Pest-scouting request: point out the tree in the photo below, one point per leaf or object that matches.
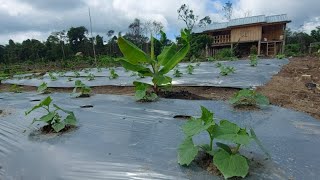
(315, 34)
(185, 14)
(228, 10)
(135, 34)
(99, 44)
(110, 33)
(204, 21)
(77, 37)
(61, 36)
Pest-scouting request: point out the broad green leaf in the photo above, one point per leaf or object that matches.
(206, 116)
(140, 94)
(231, 165)
(131, 52)
(161, 80)
(49, 117)
(135, 67)
(45, 102)
(231, 132)
(255, 138)
(262, 100)
(78, 83)
(224, 147)
(58, 126)
(141, 89)
(70, 119)
(167, 53)
(207, 149)
(195, 126)
(187, 152)
(42, 87)
(175, 59)
(185, 35)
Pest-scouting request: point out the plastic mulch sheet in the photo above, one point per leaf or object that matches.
(119, 138)
(207, 74)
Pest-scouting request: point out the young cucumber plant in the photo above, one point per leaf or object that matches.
(52, 77)
(53, 118)
(91, 77)
(253, 60)
(76, 74)
(43, 88)
(226, 70)
(190, 69)
(177, 73)
(113, 74)
(246, 97)
(151, 66)
(218, 65)
(84, 91)
(227, 159)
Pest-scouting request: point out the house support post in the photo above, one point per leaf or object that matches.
(259, 47)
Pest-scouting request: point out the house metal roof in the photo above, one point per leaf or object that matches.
(244, 21)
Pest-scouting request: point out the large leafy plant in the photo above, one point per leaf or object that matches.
(52, 117)
(225, 157)
(80, 89)
(247, 97)
(153, 66)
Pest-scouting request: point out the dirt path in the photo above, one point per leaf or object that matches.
(286, 89)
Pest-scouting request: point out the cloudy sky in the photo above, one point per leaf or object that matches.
(23, 19)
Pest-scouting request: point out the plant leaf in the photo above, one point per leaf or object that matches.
(195, 126)
(71, 119)
(255, 138)
(58, 126)
(131, 52)
(231, 165)
(167, 53)
(47, 118)
(45, 102)
(161, 80)
(206, 116)
(187, 152)
(183, 51)
(231, 132)
(136, 67)
(224, 147)
(262, 100)
(42, 87)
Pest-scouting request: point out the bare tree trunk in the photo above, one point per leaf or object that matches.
(93, 46)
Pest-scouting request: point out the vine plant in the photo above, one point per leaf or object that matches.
(155, 67)
(226, 158)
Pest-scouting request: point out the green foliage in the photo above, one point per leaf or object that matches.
(228, 160)
(248, 97)
(253, 60)
(151, 66)
(190, 69)
(225, 54)
(226, 70)
(15, 88)
(113, 74)
(218, 65)
(177, 73)
(52, 77)
(91, 77)
(80, 89)
(53, 118)
(142, 93)
(292, 50)
(43, 88)
(76, 74)
(280, 56)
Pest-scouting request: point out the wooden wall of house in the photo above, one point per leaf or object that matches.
(246, 34)
(273, 32)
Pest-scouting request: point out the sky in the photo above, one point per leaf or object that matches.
(23, 19)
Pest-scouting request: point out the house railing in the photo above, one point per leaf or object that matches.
(221, 39)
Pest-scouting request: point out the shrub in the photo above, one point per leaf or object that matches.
(280, 56)
(248, 97)
(225, 54)
(292, 50)
(53, 118)
(253, 60)
(254, 50)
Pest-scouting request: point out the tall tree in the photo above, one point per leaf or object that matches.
(315, 34)
(99, 45)
(77, 38)
(62, 37)
(186, 14)
(228, 10)
(205, 21)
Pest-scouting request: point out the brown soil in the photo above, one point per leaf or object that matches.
(205, 161)
(288, 88)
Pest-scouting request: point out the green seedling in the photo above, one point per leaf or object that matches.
(113, 74)
(142, 93)
(76, 74)
(281, 56)
(153, 66)
(218, 65)
(52, 77)
(53, 119)
(225, 157)
(91, 77)
(253, 60)
(177, 73)
(70, 79)
(81, 90)
(43, 88)
(190, 69)
(15, 88)
(226, 70)
(248, 97)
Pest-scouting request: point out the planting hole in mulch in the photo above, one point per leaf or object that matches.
(86, 106)
(35, 100)
(181, 95)
(47, 133)
(185, 117)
